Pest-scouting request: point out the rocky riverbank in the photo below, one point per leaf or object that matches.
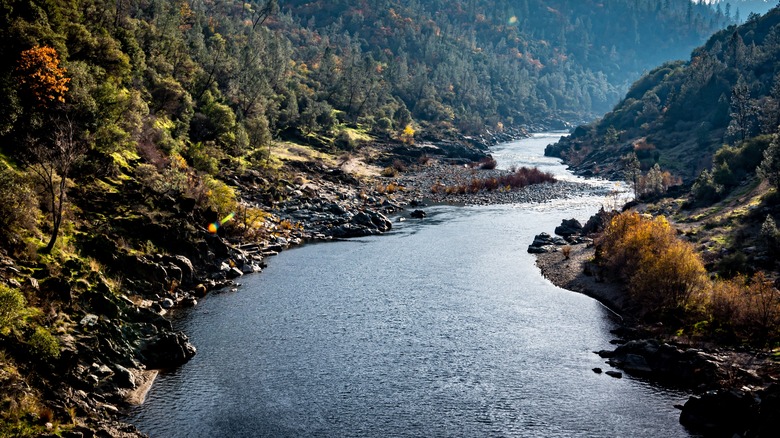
(736, 393)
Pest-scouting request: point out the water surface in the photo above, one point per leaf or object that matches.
(443, 327)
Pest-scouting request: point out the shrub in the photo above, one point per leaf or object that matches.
(663, 272)
(522, 177)
(389, 172)
(17, 202)
(488, 163)
(12, 304)
(43, 344)
(219, 196)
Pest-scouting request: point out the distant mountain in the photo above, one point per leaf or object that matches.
(681, 113)
(740, 9)
(481, 62)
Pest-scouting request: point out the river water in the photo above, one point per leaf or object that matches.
(442, 328)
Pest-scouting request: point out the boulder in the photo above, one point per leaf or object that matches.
(234, 273)
(123, 377)
(168, 350)
(539, 249)
(569, 227)
(719, 413)
(418, 214)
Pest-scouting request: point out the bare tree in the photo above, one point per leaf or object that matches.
(51, 162)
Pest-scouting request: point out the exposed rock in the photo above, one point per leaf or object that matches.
(418, 214)
(597, 370)
(615, 374)
(168, 350)
(569, 227)
(234, 273)
(719, 413)
(123, 377)
(687, 367)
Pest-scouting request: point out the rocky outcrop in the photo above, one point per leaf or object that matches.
(662, 361)
(734, 412)
(168, 350)
(569, 227)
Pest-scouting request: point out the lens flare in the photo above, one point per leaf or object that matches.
(213, 227)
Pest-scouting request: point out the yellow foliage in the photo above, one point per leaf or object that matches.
(662, 271)
(407, 136)
(220, 196)
(40, 73)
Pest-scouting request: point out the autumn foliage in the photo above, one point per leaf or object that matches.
(516, 180)
(40, 74)
(663, 272)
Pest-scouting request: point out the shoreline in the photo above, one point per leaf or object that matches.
(571, 275)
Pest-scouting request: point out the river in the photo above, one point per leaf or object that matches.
(442, 327)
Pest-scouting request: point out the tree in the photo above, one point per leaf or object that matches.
(51, 163)
(632, 172)
(743, 111)
(41, 76)
(769, 169)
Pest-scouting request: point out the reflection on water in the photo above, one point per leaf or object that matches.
(445, 330)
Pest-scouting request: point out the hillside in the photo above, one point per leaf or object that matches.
(681, 113)
(511, 62)
(152, 151)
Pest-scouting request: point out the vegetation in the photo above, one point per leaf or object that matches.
(129, 128)
(668, 281)
(515, 180)
(682, 113)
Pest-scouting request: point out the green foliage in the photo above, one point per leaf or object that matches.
(728, 91)
(43, 344)
(770, 235)
(12, 304)
(705, 189)
(18, 209)
(769, 169)
(219, 196)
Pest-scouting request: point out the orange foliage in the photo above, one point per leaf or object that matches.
(40, 73)
(662, 271)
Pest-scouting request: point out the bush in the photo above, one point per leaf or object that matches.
(663, 272)
(43, 344)
(17, 202)
(12, 304)
(219, 196)
(488, 163)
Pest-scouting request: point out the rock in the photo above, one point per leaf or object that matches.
(89, 320)
(166, 303)
(720, 413)
(597, 370)
(569, 227)
(542, 239)
(539, 249)
(200, 290)
(101, 304)
(615, 374)
(123, 377)
(168, 350)
(635, 363)
(418, 214)
(234, 273)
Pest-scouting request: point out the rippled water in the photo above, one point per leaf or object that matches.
(444, 327)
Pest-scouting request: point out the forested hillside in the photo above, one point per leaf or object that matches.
(740, 9)
(136, 135)
(480, 62)
(681, 113)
